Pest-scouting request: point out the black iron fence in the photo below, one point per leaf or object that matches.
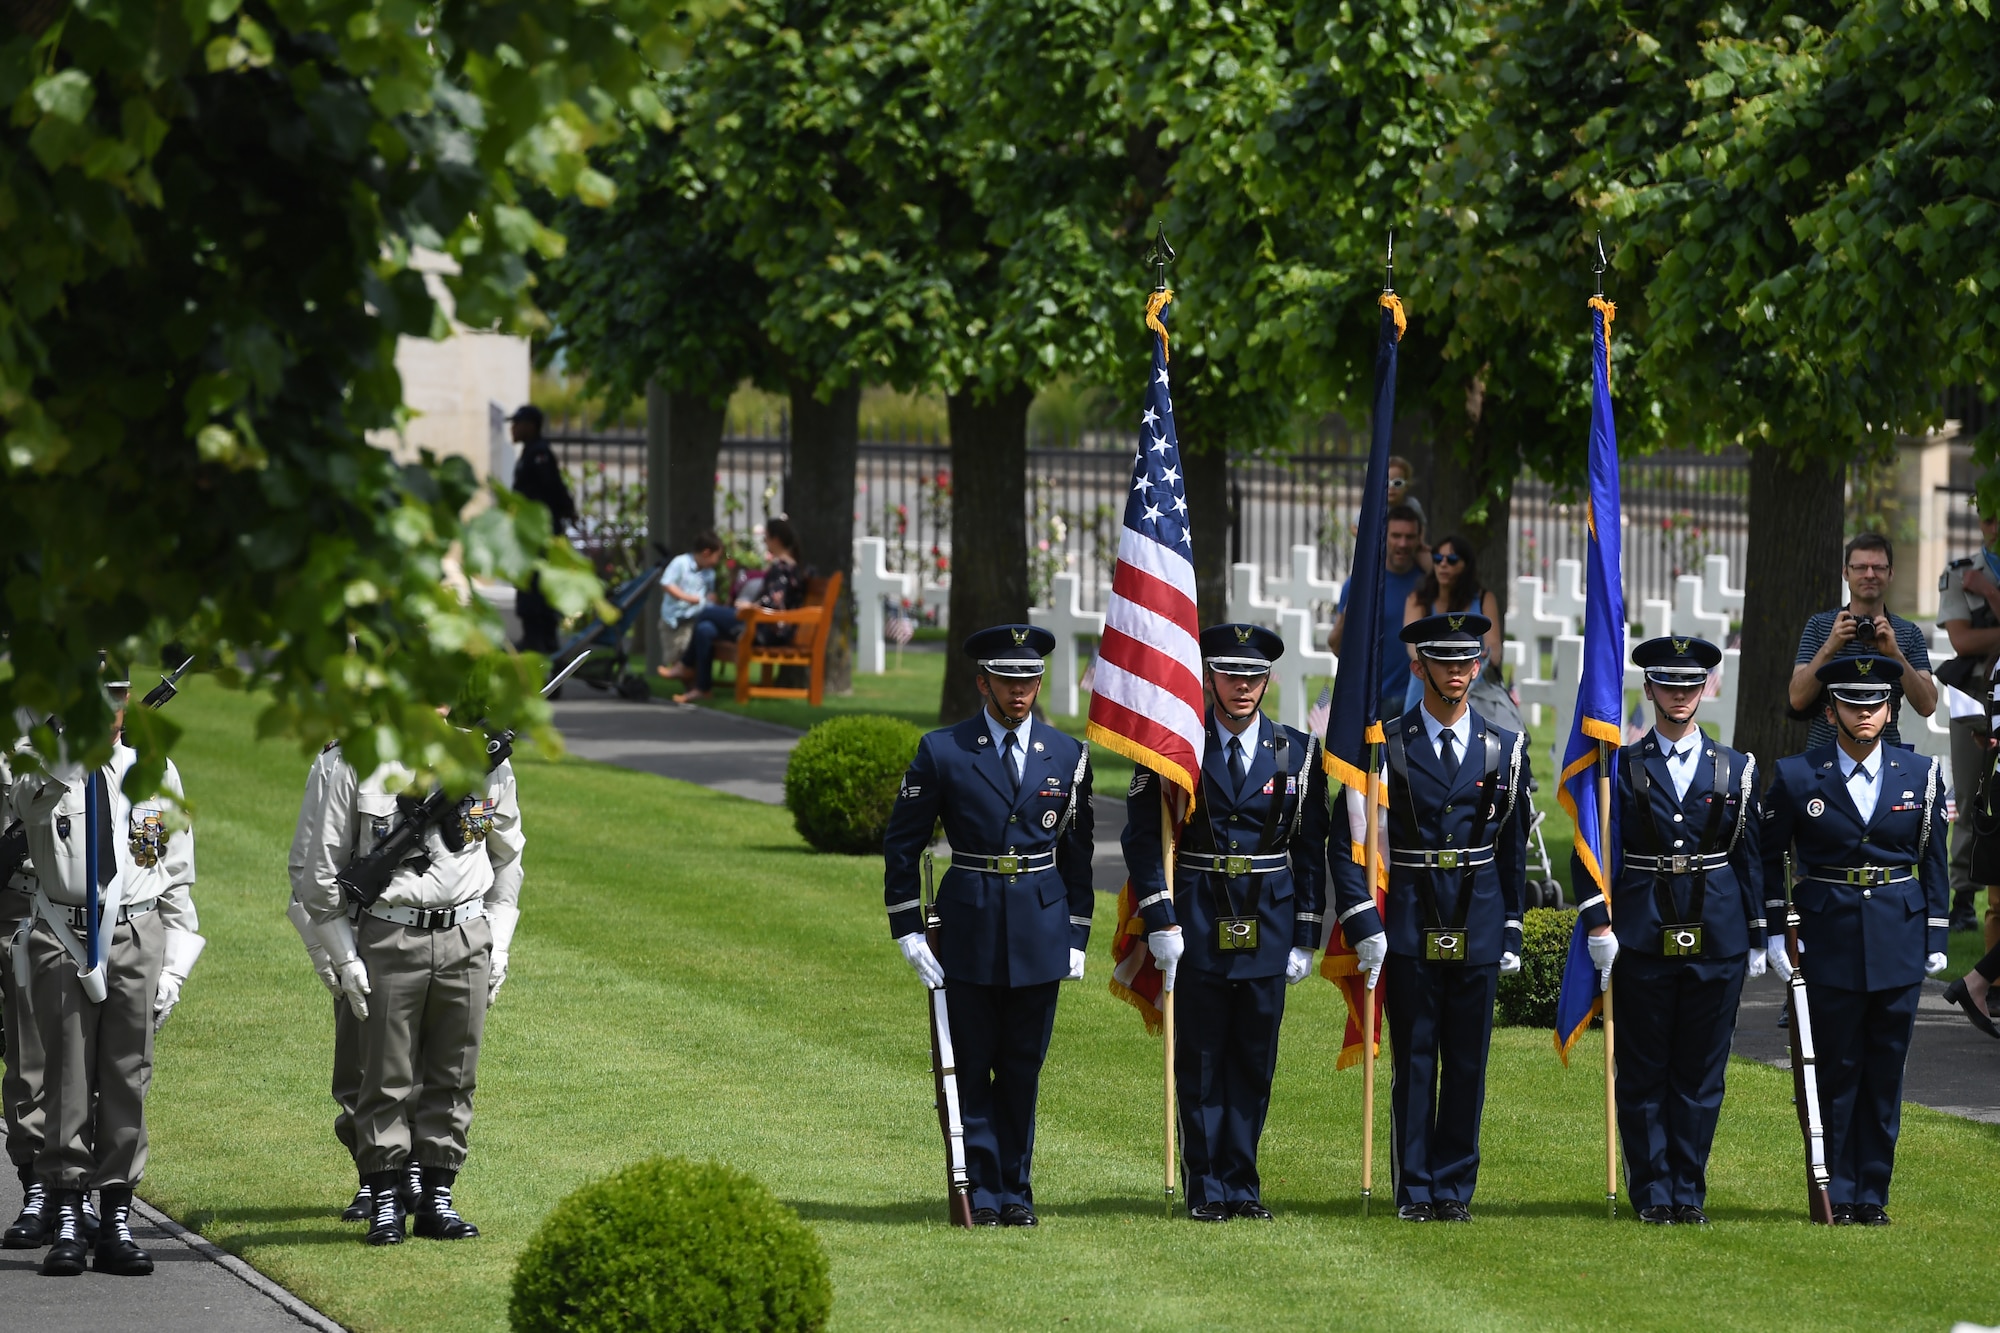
(1677, 508)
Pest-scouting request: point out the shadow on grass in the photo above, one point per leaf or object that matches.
(247, 1227)
(905, 1213)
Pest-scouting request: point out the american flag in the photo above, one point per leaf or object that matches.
(1145, 698)
(900, 629)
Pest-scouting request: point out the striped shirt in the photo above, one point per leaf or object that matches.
(1908, 637)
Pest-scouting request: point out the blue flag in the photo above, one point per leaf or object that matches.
(1354, 719)
(1591, 754)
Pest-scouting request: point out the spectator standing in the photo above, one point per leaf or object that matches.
(685, 588)
(1453, 585)
(1969, 611)
(538, 477)
(1401, 573)
(1861, 628)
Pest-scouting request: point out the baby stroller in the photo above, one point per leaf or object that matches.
(605, 643)
(1543, 888)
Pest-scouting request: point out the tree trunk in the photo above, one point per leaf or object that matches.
(694, 430)
(1792, 571)
(819, 501)
(989, 530)
(1471, 492)
(1209, 521)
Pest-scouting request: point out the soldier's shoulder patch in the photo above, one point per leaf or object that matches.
(1139, 780)
(912, 791)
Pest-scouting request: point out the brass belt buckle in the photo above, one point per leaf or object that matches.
(1007, 865)
(1678, 864)
(1447, 860)
(1235, 865)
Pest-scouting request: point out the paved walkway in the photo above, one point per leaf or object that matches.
(195, 1288)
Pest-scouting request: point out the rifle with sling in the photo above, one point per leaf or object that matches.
(944, 1073)
(367, 877)
(1805, 1069)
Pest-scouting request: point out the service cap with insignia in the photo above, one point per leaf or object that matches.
(1865, 679)
(1453, 637)
(1011, 650)
(1240, 650)
(1676, 660)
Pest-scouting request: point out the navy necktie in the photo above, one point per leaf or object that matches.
(1448, 756)
(1237, 768)
(1010, 745)
(107, 854)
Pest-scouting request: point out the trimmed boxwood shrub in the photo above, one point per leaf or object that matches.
(1528, 997)
(669, 1244)
(843, 777)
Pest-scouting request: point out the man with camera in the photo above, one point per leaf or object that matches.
(1864, 627)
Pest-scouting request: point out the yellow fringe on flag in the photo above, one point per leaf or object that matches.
(1394, 305)
(1158, 302)
(1610, 313)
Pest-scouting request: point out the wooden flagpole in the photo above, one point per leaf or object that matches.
(1610, 1066)
(1371, 861)
(1167, 1003)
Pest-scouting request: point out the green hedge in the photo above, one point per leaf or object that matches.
(843, 777)
(1528, 997)
(669, 1244)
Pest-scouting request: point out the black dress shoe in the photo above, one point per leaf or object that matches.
(1957, 994)
(1018, 1215)
(361, 1209)
(1214, 1211)
(1870, 1215)
(1451, 1210)
(1417, 1212)
(1251, 1209)
(1843, 1214)
(1689, 1215)
(1658, 1215)
(985, 1217)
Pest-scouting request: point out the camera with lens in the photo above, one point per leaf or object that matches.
(1864, 628)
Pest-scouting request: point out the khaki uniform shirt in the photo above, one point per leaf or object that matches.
(151, 843)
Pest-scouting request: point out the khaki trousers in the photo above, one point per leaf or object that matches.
(346, 1071)
(21, 1088)
(99, 1058)
(419, 1045)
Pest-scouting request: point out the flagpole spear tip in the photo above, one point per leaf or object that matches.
(1601, 265)
(1389, 265)
(1160, 254)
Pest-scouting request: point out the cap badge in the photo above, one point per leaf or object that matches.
(1864, 666)
(1680, 647)
(1456, 622)
(1020, 637)
(1242, 634)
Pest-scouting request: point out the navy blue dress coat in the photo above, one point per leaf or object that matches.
(1447, 817)
(997, 929)
(1732, 906)
(1859, 937)
(1270, 808)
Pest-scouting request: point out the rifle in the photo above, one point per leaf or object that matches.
(944, 1072)
(366, 877)
(1805, 1069)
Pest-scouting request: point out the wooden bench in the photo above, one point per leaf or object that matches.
(807, 649)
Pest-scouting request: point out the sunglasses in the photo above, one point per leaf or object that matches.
(1397, 483)
(1449, 559)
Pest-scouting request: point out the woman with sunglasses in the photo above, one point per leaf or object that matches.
(1452, 584)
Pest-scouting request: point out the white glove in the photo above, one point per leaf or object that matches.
(1371, 953)
(1780, 964)
(1297, 964)
(1936, 963)
(337, 936)
(917, 953)
(180, 949)
(1603, 953)
(503, 917)
(295, 912)
(1509, 962)
(1167, 946)
(1758, 963)
(1076, 959)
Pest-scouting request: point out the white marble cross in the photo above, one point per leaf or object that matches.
(1691, 613)
(1716, 592)
(1302, 587)
(873, 581)
(936, 601)
(1068, 621)
(1529, 618)
(1247, 603)
(1299, 660)
(1565, 597)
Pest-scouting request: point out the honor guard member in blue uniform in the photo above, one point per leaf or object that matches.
(1014, 908)
(1458, 836)
(1864, 822)
(1688, 909)
(1245, 917)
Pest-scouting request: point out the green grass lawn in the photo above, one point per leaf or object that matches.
(689, 979)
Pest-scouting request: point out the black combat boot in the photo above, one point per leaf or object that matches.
(386, 1227)
(31, 1229)
(67, 1249)
(117, 1253)
(438, 1220)
(362, 1208)
(410, 1191)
